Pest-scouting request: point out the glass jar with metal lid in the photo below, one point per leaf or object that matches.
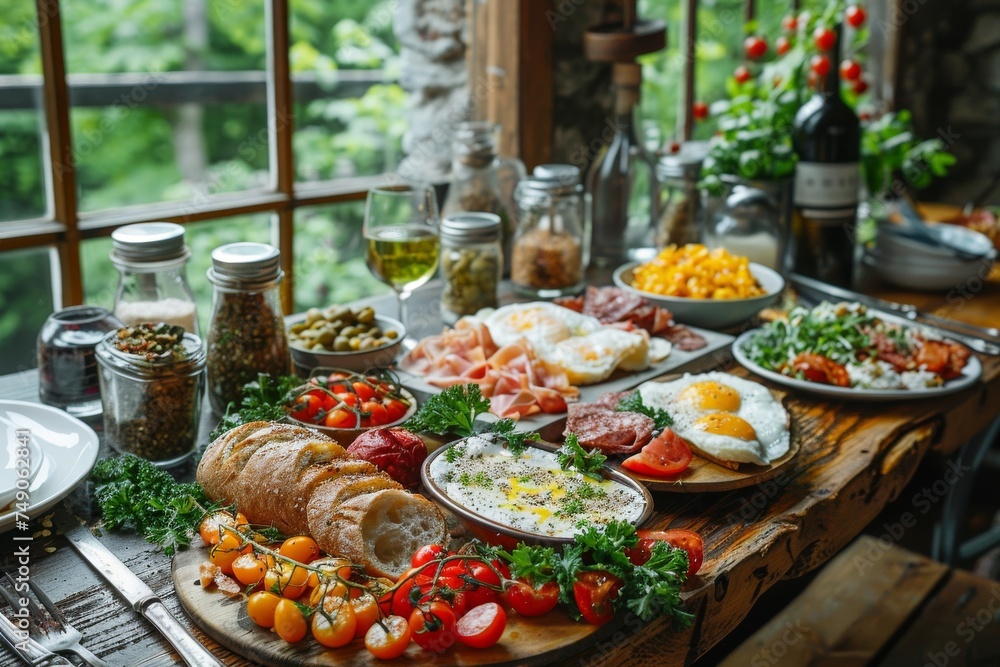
(152, 383)
(550, 252)
(152, 285)
(471, 263)
(680, 201)
(246, 333)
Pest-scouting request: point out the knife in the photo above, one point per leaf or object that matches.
(981, 339)
(27, 649)
(134, 590)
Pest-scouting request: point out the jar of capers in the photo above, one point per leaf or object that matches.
(246, 332)
(471, 263)
(152, 381)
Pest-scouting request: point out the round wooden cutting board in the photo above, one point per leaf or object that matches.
(535, 641)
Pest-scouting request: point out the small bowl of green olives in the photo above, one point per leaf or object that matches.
(339, 337)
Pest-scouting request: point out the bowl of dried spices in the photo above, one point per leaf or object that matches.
(339, 337)
(152, 379)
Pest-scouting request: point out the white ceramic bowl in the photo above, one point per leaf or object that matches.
(892, 244)
(381, 357)
(710, 313)
(923, 274)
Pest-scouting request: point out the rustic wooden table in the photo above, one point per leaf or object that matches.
(855, 458)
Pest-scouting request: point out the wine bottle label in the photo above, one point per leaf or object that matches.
(826, 191)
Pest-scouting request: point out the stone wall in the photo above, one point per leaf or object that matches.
(949, 77)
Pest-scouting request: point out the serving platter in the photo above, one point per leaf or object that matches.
(536, 641)
(970, 375)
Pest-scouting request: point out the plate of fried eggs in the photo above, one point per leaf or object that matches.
(586, 350)
(738, 430)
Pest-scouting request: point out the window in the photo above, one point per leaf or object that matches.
(178, 110)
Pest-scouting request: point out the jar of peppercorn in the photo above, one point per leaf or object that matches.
(152, 382)
(246, 331)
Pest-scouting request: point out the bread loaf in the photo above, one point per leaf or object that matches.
(304, 483)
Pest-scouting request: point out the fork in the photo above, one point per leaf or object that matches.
(50, 627)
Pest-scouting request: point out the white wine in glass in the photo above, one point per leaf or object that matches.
(401, 238)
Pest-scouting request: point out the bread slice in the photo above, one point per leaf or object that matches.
(381, 530)
(334, 492)
(725, 463)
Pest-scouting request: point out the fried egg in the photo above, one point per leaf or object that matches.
(579, 345)
(725, 416)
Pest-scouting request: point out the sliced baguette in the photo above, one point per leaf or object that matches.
(382, 530)
(331, 494)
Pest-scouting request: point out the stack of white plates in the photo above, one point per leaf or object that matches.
(938, 257)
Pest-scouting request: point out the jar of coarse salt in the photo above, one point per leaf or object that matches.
(151, 258)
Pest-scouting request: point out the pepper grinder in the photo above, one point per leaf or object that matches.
(622, 181)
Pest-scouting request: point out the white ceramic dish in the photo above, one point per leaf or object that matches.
(381, 357)
(68, 450)
(926, 274)
(710, 313)
(21, 461)
(970, 375)
(894, 244)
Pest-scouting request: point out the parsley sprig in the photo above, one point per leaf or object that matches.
(573, 455)
(263, 400)
(634, 403)
(650, 590)
(133, 493)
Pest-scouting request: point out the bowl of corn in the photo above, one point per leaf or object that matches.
(701, 287)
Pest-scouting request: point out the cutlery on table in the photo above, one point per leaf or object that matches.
(981, 339)
(49, 627)
(140, 596)
(28, 650)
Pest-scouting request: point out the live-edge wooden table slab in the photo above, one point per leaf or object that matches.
(855, 459)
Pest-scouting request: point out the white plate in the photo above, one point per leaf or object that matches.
(970, 374)
(68, 453)
(12, 467)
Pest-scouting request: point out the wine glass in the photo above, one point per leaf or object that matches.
(401, 238)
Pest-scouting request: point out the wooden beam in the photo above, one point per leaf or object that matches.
(61, 165)
(503, 71)
(536, 87)
(281, 125)
(689, 46)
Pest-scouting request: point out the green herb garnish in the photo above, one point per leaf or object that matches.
(571, 507)
(634, 403)
(133, 493)
(573, 455)
(516, 441)
(263, 400)
(454, 453)
(454, 410)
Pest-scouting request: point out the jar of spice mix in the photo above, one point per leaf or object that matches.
(246, 333)
(152, 383)
(471, 263)
(549, 247)
(152, 286)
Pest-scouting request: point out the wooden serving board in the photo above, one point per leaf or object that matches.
(536, 641)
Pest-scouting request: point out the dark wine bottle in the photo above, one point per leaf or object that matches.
(827, 139)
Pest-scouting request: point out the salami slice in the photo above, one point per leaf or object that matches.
(600, 427)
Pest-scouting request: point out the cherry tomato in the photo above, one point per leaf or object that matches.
(364, 391)
(482, 626)
(850, 70)
(395, 409)
(820, 64)
(388, 640)
(333, 589)
(824, 38)
(407, 596)
(366, 613)
(301, 548)
(225, 553)
(754, 47)
(349, 399)
(340, 388)
(289, 581)
(817, 368)
(528, 600)
(782, 45)
(700, 110)
(433, 627)
(377, 415)
(340, 418)
(742, 74)
(426, 554)
(594, 592)
(790, 23)
(667, 454)
(334, 623)
(860, 86)
(306, 406)
(479, 595)
(455, 568)
(289, 622)
(855, 16)
(261, 606)
(248, 569)
(330, 565)
(688, 540)
(211, 530)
